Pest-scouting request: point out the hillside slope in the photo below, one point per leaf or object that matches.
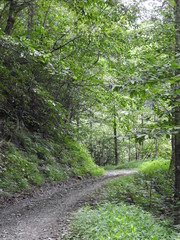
(38, 141)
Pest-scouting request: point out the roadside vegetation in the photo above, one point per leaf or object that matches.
(118, 221)
(41, 161)
(140, 206)
(151, 188)
(126, 165)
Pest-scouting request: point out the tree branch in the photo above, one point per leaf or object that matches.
(61, 46)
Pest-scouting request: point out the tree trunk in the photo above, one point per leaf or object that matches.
(142, 146)
(177, 117)
(156, 147)
(91, 145)
(136, 152)
(30, 19)
(115, 141)
(102, 157)
(129, 150)
(11, 17)
(172, 164)
(14, 8)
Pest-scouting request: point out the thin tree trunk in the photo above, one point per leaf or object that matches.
(14, 8)
(11, 17)
(115, 140)
(91, 145)
(102, 157)
(173, 152)
(136, 151)
(30, 19)
(45, 18)
(47, 12)
(142, 146)
(129, 148)
(156, 147)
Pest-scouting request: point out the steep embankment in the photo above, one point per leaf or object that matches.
(46, 214)
(38, 141)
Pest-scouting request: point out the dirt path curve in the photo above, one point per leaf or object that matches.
(44, 214)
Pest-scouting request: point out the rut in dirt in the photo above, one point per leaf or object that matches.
(45, 215)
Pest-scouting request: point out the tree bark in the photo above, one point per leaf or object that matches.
(142, 145)
(91, 144)
(11, 17)
(172, 164)
(30, 19)
(136, 151)
(14, 8)
(129, 150)
(115, 140)
(156, 147)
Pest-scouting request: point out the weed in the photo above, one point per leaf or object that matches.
(122, 221)
(152, 188)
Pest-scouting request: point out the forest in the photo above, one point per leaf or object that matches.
(88, 86)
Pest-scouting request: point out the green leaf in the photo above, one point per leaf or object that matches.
(173, 3)
(175, 65)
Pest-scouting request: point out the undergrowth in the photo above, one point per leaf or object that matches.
(126, 165)
(118, 221)
(151, 188)
(137, 207)
(33, 160)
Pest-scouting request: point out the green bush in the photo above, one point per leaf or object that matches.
(110, 221)
(159, 164)
(79, 160)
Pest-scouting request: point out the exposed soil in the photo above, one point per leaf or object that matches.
(45, 213)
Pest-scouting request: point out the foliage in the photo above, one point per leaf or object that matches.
(34, 122)
(152, 188)
(111, 221)
(79, 71)
(151, 167)
(40, 161)
(126, 165)
(79, 160)
(17, 171)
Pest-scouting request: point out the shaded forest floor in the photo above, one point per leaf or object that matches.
(45, 213)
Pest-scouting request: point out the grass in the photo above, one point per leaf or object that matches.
(127, 165)
(150, 167)
(35, 160)
(151, 189)
(121, 222)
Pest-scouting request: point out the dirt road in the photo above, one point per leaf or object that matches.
(45, 213)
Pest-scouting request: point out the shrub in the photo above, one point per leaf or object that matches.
(79, 160)
(158, 165)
